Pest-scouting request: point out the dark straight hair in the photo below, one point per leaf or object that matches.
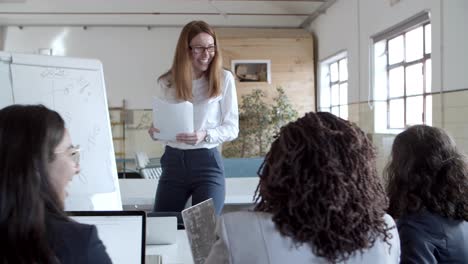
(29, 135)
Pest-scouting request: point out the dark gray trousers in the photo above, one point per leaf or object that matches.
(194, 172)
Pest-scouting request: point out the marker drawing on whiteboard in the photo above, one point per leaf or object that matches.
(65, 91)
(83, 83)
(82, 177)
(67, 117)
(92, 137)
(53, 73)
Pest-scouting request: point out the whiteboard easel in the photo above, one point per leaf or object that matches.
(74, 88)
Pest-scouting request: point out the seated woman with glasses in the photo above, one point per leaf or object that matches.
(319, 200)
(428, 188)
(37, 161)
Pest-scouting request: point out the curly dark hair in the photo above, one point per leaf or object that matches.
(426, 171)
(319, 182)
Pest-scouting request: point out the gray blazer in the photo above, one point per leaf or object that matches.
(251, 237)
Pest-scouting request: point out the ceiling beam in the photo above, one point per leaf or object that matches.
(320, 1)
(153, 13)
(321, 10)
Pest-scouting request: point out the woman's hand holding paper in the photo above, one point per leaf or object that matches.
(191, 138)
(153, 130)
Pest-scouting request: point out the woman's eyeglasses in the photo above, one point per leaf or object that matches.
(74, 152)
(200, 49)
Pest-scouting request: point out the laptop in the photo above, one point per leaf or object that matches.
(178, 215)
(161, 230)
(122, 232)
(200, 224)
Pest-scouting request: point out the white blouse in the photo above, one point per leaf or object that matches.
(219, 116)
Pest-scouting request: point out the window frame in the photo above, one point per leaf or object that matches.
(419, 21)
(327, 83)
(405, 65)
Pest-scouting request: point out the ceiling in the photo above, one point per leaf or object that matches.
(165, 13)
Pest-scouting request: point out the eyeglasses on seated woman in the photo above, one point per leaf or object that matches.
(37, 161)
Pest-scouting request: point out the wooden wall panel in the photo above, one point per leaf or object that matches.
(292, 61)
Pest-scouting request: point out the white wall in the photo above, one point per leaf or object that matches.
(2, 37)
(337, 31)
(455, 44)
(133, 57)
(350, 24)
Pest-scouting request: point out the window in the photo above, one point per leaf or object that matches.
(334, 86)
(402, 75)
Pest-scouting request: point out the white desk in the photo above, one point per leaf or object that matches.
(139, 193)
(178, 253)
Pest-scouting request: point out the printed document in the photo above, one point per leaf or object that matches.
(172, 119)
(200, 224)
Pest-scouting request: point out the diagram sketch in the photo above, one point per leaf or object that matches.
(78, 95)
(53, 73)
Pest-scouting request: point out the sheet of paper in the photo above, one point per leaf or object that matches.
(200, 224)
(172, 119)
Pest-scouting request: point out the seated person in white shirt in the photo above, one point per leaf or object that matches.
(192, 165)
(319, 200)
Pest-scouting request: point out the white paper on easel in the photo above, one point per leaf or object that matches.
(172, 119)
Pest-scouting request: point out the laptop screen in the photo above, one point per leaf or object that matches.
(122, 232)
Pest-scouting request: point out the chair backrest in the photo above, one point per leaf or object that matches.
(151, 173)
(141, 159)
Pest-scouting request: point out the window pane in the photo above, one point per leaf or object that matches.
(396, 82)
(344, 93)
(428, 112)
(335, 94)
(325, 97)
(325, 85)
(414, 79)
(395, 50)
(414, 110)
(324, 109)
(414, 44)
(343, 70)
(427, 38)
(344, 112)
(396, 113)
(379, 48)
(428, 75)
(334, 72)
(380, 71)
(335, 110)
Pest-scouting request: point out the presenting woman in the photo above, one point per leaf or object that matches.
(192, 165)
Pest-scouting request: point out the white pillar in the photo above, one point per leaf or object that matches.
(2, 37)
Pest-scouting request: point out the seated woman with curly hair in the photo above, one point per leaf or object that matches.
(427, 183)
(319, 200)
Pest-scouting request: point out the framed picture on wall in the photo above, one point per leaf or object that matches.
(252, 70)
